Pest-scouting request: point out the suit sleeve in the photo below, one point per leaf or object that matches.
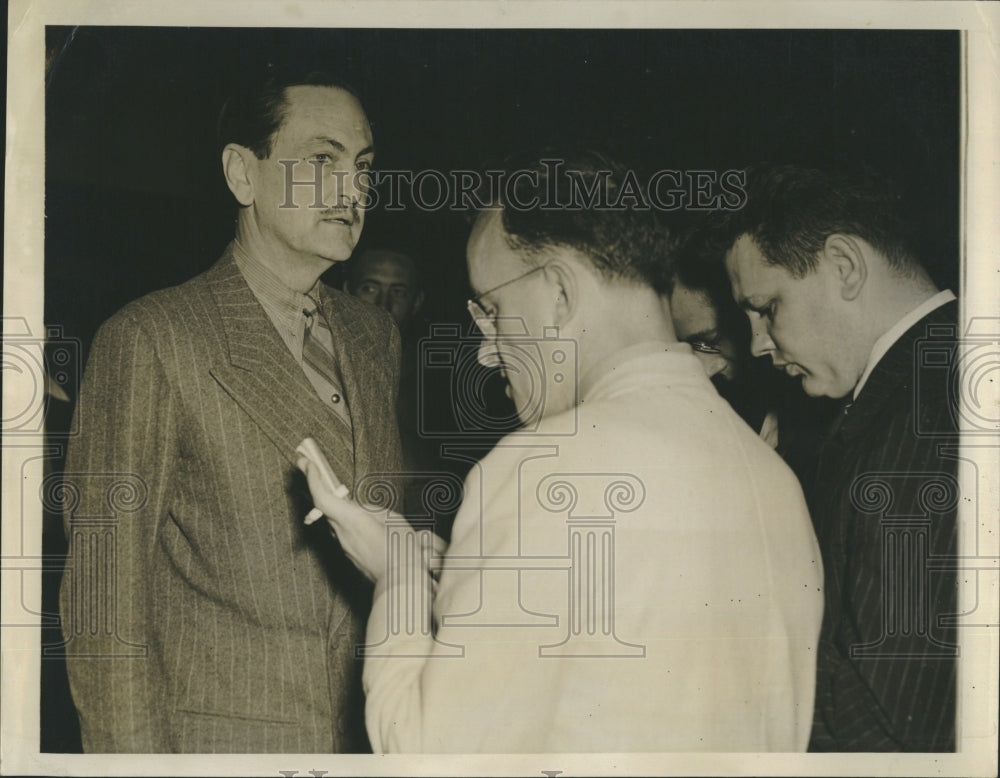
(893, 688)
(118, 477)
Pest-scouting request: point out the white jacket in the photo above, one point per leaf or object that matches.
(676, 611)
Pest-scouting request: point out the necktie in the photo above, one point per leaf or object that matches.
(320, 365)
(845, 409)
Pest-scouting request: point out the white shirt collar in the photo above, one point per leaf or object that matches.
(622, 367)
(885, 342)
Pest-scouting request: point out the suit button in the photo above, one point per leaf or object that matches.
(335, 398)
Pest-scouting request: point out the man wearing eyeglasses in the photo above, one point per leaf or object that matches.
(634, 570)
(697, 322)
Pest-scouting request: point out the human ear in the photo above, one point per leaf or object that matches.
(237, 166)
(418, 302)
(850, 263)
(561, 275)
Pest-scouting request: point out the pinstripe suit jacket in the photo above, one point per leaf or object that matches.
(200, 614)
(884, 506)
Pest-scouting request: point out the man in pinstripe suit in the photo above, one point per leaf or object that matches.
(221, 624)
(835, 296)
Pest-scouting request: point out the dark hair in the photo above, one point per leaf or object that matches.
(790, 212)
(623, 238)
(699, 263)
(699, 256)
(416, 262)
(254, 112)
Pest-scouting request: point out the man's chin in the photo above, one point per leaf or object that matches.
(338, 253)
(531, 409)
(809, 389)
(815, 388)
(340, 246)
(529, 420)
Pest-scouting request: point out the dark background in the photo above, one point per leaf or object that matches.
(135, 199)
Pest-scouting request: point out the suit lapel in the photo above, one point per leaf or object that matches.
(261, 376)
(896, 373)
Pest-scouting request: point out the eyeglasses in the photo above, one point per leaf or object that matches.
(707, 341)
(704, 348)
(486, 321)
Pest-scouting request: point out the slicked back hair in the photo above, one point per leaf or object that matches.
(255, 111)
(791, 211)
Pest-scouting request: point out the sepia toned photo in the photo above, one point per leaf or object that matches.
(457, 389)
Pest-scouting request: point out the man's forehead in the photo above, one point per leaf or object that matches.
(692, 311)
(746, 265)
(487, 248)
(743, 254)
(385, 263)
(318, 109)
(487, 228)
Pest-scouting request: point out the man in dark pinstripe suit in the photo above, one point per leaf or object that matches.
(200, 614)
(835, 296)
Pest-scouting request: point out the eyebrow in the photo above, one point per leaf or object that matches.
(373, 280)
(369, 149)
